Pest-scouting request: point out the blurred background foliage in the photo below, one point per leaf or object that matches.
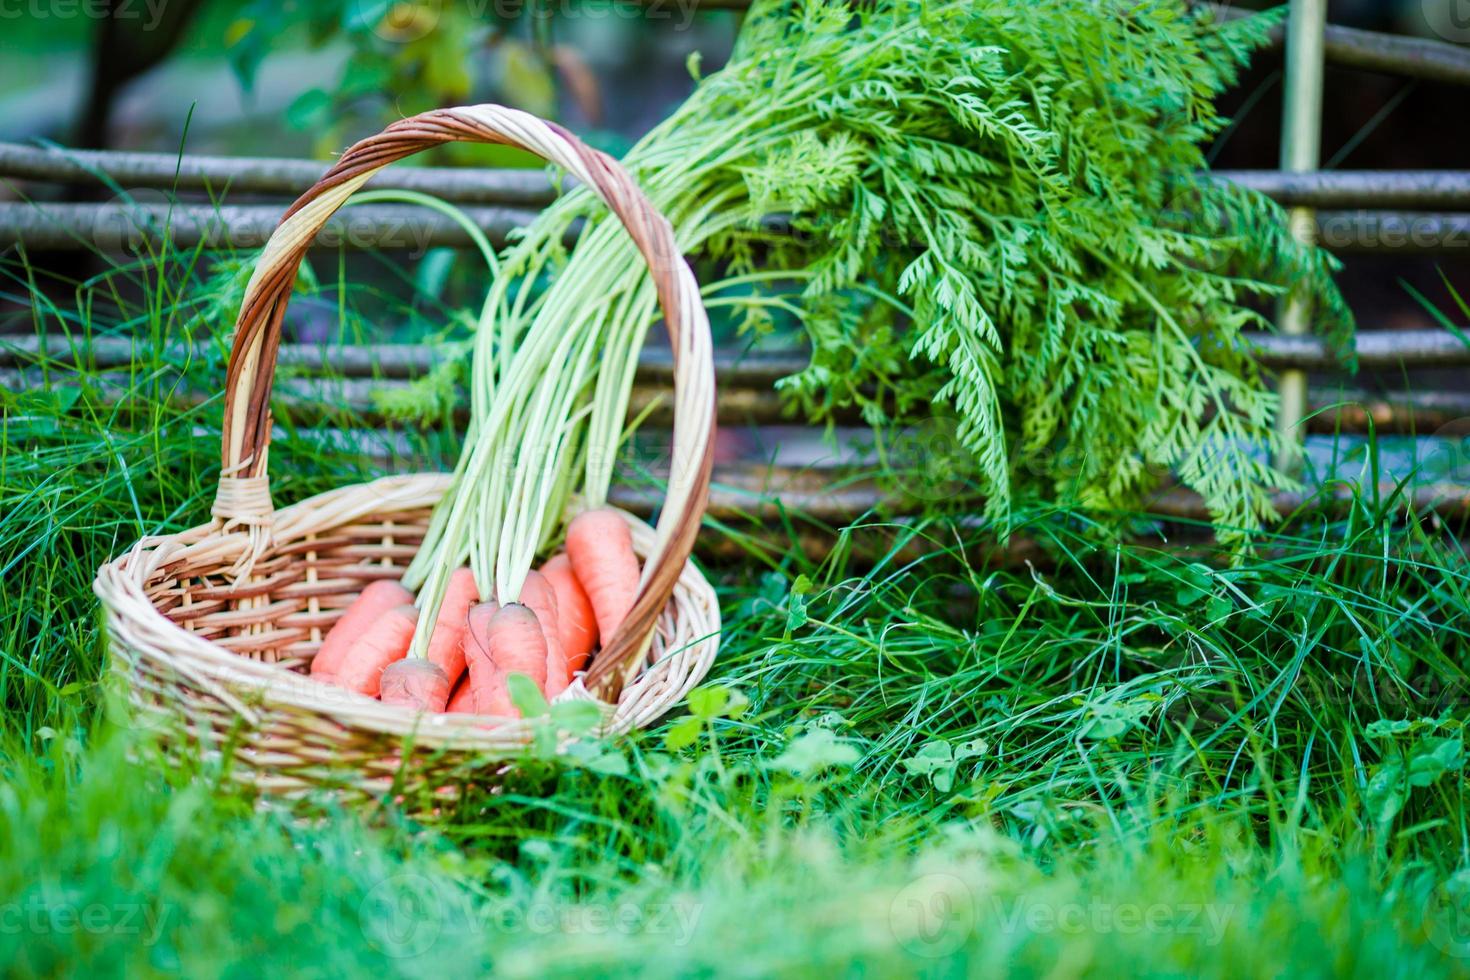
(333, 69)
(307, 77)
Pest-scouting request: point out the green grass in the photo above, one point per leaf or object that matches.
(189, 880)
(1124, 758)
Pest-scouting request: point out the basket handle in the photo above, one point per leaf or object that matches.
(243, 498)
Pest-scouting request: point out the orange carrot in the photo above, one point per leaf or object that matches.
(446, 643)
(462, 701)
(576, 624)
(600, 547)
(414, 683)
(538, 596)
(385, 641)
(372, 602)
(500, 642)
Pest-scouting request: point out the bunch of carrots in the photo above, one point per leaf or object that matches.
(577, 598)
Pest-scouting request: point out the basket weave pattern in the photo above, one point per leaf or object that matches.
(212, 629)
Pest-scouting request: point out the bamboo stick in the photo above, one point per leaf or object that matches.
(741, 405)
(1390, 54)
(820, 500)
(1376, 350)
(1389, 350)
(1419, 413)
(1380, 232)
(315, 401)
(135, 227)
(1301, 140)
(732, 502)
(1408, 189)
(1347, 47)
(216, 175)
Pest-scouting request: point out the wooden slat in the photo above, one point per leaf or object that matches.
(131, 228)
(753, 368)
(313, 401)
(1419, 413)
(220, 176)
(1375, 349)
(1346, 47)
(136, 227)
(217, 175)
(826, 493)
(1393, 232)
(1409, 189)
(834, 498)
(778, 507)
(1392, 54)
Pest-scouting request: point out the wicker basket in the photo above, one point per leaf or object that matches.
(212, 629)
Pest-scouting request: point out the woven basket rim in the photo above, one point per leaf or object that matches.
(243, 497)
(301, 721)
